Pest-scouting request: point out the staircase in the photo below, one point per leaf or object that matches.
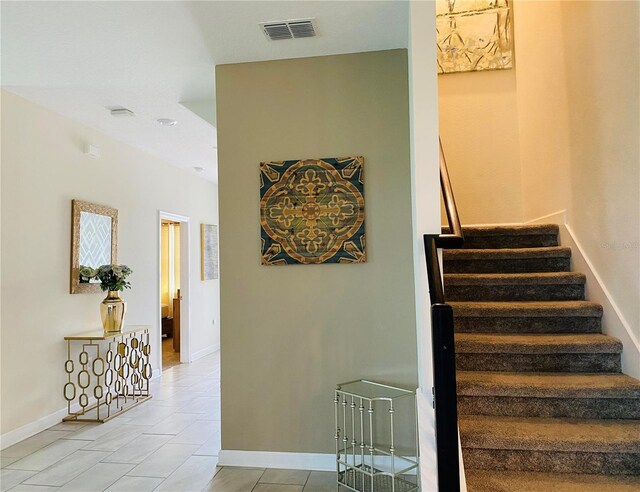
(543, 405)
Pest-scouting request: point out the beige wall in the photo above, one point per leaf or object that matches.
(290, 333)
(603, 86)
(542, 107)
(579, 112)
(570, 115)
(479, 132)
(43, 169)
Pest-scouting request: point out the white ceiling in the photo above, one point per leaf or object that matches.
(158, 59)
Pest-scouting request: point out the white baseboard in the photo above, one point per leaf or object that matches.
(32, 428)
(506, 224)
(613, 321)
(559, 218)
(205, 351)
(270, 459)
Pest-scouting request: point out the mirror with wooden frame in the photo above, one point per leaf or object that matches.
(94, 242)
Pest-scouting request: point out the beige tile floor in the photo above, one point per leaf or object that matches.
(169, 443)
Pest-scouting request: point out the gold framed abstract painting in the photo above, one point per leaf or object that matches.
(473, 35)
(312, 211)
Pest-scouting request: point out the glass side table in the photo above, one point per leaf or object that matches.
(369, 457)
(107, 374)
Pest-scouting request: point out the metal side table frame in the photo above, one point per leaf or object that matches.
(112, 375)
(362, 465)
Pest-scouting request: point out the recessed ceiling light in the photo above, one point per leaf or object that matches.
(198, 169)
(167, 122)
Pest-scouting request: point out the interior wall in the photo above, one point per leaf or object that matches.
(291, 333)
(425, 193)
(559, 132)
(43, 169)
(603, 91)
(579, 113)
(479, 132)
(542, 107)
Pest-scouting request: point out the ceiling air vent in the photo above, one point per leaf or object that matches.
(291, 29)
(119, 111)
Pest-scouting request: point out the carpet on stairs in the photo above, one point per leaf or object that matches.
(543, 404)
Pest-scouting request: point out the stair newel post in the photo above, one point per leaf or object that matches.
(444, 377)
(442, 338)
(444, 373)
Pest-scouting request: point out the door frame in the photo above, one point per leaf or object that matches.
(185, 285)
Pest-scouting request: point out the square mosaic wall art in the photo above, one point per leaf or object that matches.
(312, 211)
(473, 35)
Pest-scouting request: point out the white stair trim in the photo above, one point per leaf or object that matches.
(613, 321)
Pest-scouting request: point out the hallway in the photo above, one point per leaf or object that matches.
(169, 443)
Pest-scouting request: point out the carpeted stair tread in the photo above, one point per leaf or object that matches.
(515, 287)
(542, 278)
(507, 253)
(564, 343)
(547, 385)
(526, 309)
(535, 236)
(543, 405)
(513, 481)
(512, 230)
(581, 435)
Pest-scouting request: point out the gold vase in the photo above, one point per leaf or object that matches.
(112, 311)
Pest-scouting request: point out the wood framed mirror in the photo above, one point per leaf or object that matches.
(94, 242)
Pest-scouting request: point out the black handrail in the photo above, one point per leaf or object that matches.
(455, 237)
(442, 337)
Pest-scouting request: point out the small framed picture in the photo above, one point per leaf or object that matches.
(209, 251)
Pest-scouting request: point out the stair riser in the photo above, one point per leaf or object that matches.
(515, 241)
(525, 265)
(547, 324)
(487, 292)
(551, 461)
(599, 362)
(580, 408)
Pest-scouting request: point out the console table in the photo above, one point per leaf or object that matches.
(107, 374)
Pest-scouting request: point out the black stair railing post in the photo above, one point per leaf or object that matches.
(444, 374)
(445, 397)
(445, 400)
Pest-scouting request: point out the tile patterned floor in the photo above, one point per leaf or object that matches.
(169, 443)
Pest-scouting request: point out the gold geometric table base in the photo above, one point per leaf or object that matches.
(113, 373)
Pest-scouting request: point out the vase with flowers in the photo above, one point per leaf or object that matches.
(113, 308)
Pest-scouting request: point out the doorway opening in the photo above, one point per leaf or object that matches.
(174, 287)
